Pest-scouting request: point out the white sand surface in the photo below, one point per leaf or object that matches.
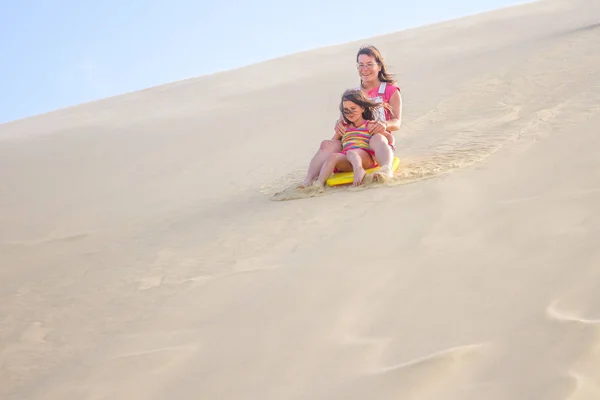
(145, 252)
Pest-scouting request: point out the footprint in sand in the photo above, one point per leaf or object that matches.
(36, 332)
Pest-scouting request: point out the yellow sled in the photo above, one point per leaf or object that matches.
(344, 178)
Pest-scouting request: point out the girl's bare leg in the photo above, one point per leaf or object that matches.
(336, 159)
(327, 148)
(360, 160)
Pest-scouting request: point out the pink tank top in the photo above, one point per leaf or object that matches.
(383, 94)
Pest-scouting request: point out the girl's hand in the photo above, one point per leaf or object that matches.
(377, 127)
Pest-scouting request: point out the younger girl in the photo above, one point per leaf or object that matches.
(358, 111)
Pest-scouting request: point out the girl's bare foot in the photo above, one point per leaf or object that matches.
(306, 184)
(359, 175)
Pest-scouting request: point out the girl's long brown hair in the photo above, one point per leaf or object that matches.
(372, 51)
(359, 98)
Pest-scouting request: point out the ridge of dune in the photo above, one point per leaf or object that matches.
(145, 253)
(214, 81)
(285, 58)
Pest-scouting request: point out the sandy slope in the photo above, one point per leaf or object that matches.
(145, 254)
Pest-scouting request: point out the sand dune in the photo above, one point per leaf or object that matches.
(146, 251)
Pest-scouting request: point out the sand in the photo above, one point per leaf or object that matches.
(146, 252)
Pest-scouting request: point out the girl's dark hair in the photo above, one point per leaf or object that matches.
(359, 98)
(372, 51)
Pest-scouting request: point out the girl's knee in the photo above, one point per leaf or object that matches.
(330, 145)
(377, 139)
(335, 157)
(353, 153)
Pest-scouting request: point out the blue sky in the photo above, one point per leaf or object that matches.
(57, 53)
